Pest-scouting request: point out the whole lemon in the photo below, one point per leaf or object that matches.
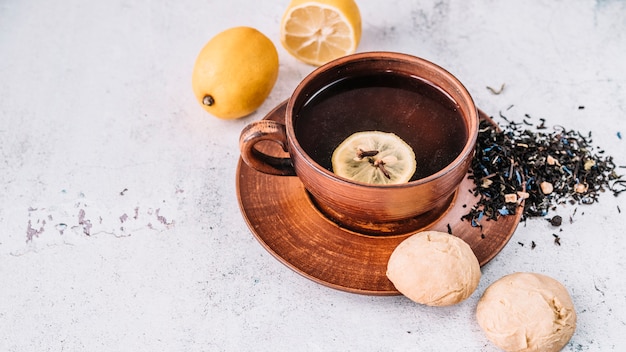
(235, 72)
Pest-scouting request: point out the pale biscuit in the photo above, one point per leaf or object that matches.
(434, 268)
(525, 312)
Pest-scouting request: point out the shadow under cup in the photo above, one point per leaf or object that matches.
(418, 101)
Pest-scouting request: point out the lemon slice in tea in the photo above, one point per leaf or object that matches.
(374, 157)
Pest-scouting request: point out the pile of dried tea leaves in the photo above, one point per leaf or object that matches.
(540, 168)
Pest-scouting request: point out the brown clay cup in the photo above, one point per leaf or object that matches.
(365, 208)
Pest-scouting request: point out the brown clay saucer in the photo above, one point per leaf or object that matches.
(282, 217)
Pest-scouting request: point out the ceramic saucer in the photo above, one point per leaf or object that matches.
(282, 217)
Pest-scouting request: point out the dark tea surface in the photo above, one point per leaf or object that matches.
(419, 113)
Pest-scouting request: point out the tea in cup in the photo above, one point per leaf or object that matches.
(418, 101)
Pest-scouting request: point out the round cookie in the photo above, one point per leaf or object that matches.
(434, 268)
(527, 312)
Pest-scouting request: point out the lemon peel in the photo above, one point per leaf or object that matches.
(235, 72)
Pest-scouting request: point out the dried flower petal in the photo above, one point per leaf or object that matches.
(546, 187)
(581, 188)
(550, 160)
(486, 183)
(510, 198)
(589, 164)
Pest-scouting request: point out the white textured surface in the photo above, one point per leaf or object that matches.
(100, 132)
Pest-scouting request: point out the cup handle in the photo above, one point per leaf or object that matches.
(265, 130)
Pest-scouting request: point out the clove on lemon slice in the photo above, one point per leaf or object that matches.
(374, 157)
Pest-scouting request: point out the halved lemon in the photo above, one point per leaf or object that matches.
(319, 31)
(374, 157)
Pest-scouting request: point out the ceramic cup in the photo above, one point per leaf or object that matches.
(309, 135)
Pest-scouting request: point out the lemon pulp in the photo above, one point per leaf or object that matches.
(319, 31)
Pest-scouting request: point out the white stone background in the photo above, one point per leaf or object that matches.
(100, 131)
